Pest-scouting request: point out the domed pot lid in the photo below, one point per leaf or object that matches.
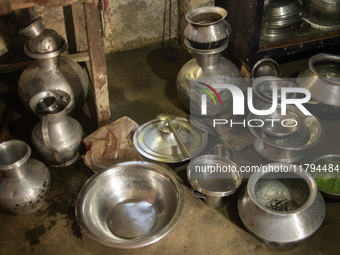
(155, 141)
(308, 135)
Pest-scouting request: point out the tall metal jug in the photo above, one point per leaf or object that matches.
(24, 182)
(57, 137)
(50, 71)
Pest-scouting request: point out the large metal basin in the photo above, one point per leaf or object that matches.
(130, 205)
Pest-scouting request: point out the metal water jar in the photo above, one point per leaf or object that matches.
(57, 137)
(280, 206)
(208, 67)
(50, 71)
(24, 182)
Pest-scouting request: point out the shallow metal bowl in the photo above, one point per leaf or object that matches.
(130, 205)
(265, 67)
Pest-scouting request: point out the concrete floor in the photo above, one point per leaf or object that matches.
(141, 85)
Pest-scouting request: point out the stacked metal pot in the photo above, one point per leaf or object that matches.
(50, 71)
(207, 35)
(322, 14)
(281, 18)
(282, 138)
(52, 87)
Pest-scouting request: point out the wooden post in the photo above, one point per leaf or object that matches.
(96, 49)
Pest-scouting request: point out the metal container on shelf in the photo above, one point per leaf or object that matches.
(280, 19)
(57, 137)
(210, 68)
(24, 182)
(50, 71)
(322, 15)
(327, 7)
(281, 209)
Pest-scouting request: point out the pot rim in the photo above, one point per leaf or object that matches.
(47, 55)
(324, 57)
(207, 52)
(144, 240)
(21, 161)
(306, 176)
(206, 9)
(56, 93)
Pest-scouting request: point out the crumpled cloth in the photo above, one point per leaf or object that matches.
(111, 144)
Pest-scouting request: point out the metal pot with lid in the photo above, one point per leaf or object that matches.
(155, 140)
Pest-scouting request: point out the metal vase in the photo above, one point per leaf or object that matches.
(210, 68)
(24, 182)
(50, 71)
(57, 137)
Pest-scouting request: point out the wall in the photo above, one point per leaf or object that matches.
(128, 24)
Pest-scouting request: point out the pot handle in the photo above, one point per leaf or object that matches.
(198, 194)
(47, 141)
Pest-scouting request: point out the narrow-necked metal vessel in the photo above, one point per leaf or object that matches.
(281, 206)
(57, 137)
(24, 182)
(210, 68)
(50, 71)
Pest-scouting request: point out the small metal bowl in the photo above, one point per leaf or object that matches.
(223, 151)
(213, 178)
(279, 125)
(263, 87)
(265, 67)
(322, 162)
(130, 205)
